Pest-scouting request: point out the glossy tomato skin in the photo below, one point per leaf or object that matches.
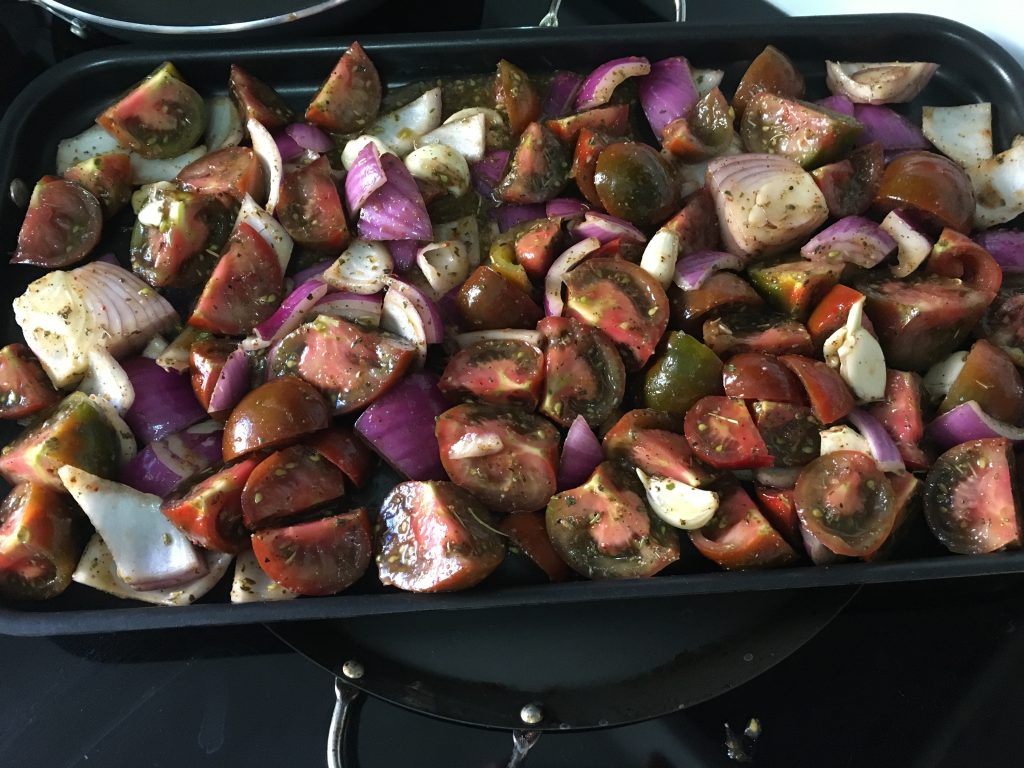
(350, 98)
(310, 208)
(930, 185)
(779, 509)
(957, 256)
(696, 224)
(108, 177)
(589, 146)
(339, 445)
(809, 134)
(990, 378)
(352, 365)
(635, 183)
(233, 171)
(611, 120)
(161, 117)
(652, 441)
(274, 414)
(721, 433)
(846, 501)
(830, 397)
(321, 557)
(739, 537)
(288, 482)
(771, 71)
(971, 500)
(754, 331)
(681, 374)
(61, 227)
(516, 474)
(505, 372)
(1003, 323)
(902, 415)
(832, 312)
(206, 360)
(528, 532)
(907, 492)
(583, 373)
(795, 287)
(258, 101)
(720, 293)
(433, 536)
(25, 389)
(210, 512)
(622, 300)
(41, 537)
(704, 133)
(538, 246)
(757, 376)
(604, 529)
(539, 169)
(790, 432)
(488, 301)
(516, 96)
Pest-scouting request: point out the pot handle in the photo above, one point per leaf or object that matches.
(550, 18)
(344, 723)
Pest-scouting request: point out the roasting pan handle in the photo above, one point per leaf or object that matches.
(551, 17)
(341, 751)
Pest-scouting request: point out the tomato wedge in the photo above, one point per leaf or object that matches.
(652, 441)
(789, 431)
(990, 378)
(635, 183)
(721, 433)
(779, 509)
(233, 171)
(61, 227)
(496, 371)
(696, 224)
(612, 120)
(340, 446)
(108, 177)
(901, 415)
(210, 512)
(258, 101)
(957, 256)
(310, 208)
(488, 301)
(515, 94)
(757, 376)
(40, 542)
(528, 532)
(538, 246)
(25, 388)
(206, 360)
(739, 537)
(831, 313)
(274, 414)
(350, 98)
(721, 292)
(754, 331)
(321, 557)
(831, 400)
(293, 480)
(589, 145)
(539, 169)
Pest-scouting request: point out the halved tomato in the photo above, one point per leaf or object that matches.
(583, 373)
(210, 512)
(652, 441)
(604, 529)
(739, 537)
(970, 498)
(321, 557)
(245, 288)
(721, 292)
(258, 101)
(722, 434)
(789, 431)
(162, 116)
(528, 532)
(233, 171)
(496, 371)
(830, 398)
(539, 169)
(488, 301)
(108, 177)
(350, 98)
(624, 301)
(901, 415)
(25, 388)
(930, 185)
(612, 120)
(310, 208)
(635, 183)
(277, 413)
(293, 480)
(515, 94)
(846, 501)
(340, 447)
(754, 331)
(506, 458)
(757, 376)
(990, 378)
(40, 542)
(435, 537)
(61, 227)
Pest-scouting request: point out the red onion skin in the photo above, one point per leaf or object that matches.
(147, 473)
(1006, 246)
(883, 447)
(581, 453)
(692, 270)
(365, 177)
(968, 422)
(288, 316)
(488, 173)
(288, 147)
(232, 384)
(889, 128)
(606, 228)
(396, 210)
(164, 401)
(403, 253)
(561, 95)
(311, 273)
(592, 92)
(508, 216)
(309, 137)
(838, 103)
(668, 92)
(425, 307)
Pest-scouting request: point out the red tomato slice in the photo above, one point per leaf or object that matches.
(831, 313)
(435, 537)
(957, 256)
(310, 208)
(831, 400)
(61, 227)
(293, 480)
(652, 441)
(780, 510)
(108, 177)
(990, 378)
(206, 359)
(277, 413)
(757, 376)
(488, 301)
(901, 415)
(353, 365)
(790, 432)
(258, 101)
(696, 225)
(589, 147)
(506, 458)
(40, 542)
(340, 447)
(845, 500)
(622, 300)
(515, 94)
(538, 247)
(970, 498)
(527, 531)
(539, 168)
(210, 512)
(756, 332)
(722, 292)
(321, 557)
(244, 289)
(722, 434)
(905, 488)
(350, 98)
(612, 120)
(739, 537)
(496, 371)
(24, 388)
(233, 171)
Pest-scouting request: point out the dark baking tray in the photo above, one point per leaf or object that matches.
(64, 100)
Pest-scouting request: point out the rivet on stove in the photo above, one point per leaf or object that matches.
(353, 670)
(531, 714)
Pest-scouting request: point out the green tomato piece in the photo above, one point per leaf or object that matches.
(809, 134)
(681, 375)
(795, 287)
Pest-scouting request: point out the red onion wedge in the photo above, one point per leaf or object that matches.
(467, 136)
(890, 129)
(96, 569)
(581, 453)
(410, 313)
(232, 382)
(838, 103)
(400, 129)
(287, 147)
(363, 268)
(553, 281)
(968, 422)
(270, 230)
(693, 270)
(668, 92)
(886, 82)
(1006, 247)
(364, 178)
(396, 210)
(998, 187)
(606, 228)
(597, 89)
(266, 150)
(252, 585)
(288, 316)
(399, 426)
(514, 334)
(561, 95)
(365, 310)
(445, 265)
(164, 401)
(765, 203)
(565, 206)
(150, 553)
(223, 124)
(963, 133)
(508, 216)
(403, 253)
(311, 273)
(163, 464)
(488, 173)
(852, 239)
(309, 137)
(914, 246)
(350, 153)
(884, 450)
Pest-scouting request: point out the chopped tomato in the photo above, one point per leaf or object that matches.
(589, 146)
(957, 256)
(990, 378)
(604, 529)
(435, 537)
(496, 371)
(233, 171)
(310, 208)
(340, 447)
(206, 361)
(515, 94)
(779, 509)
(831, 313)
(612, 120)
(930, 185)
(321, 557)
(830, 398)
(350, 98)
(635, 183)
(277, 413)
(1003, 323)
(696, 225)
(108, 177)
(771, 71)
(652, 441)
(683, 373)
(739, 537)
(25, 388)
(61, 227)
(789, 431)
(850, 185)
(756, 332)
(721, 292)
(40, 542)
(722, 434)
(757, 376)
(293, 480)
(488, 301)
(258, 101)
(539, 169)
(795, 287)
(906, 492)
(528, 532)
(537, 247)
(210, 512)
(809, 134)
(702, 134)
(901, 415)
